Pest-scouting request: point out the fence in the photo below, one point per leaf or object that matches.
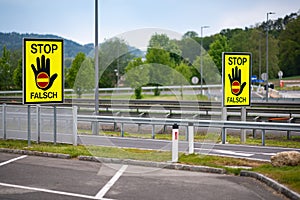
(59, 124)
(39, 123)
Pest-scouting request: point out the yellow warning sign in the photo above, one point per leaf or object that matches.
(43, 71)
(236, 73)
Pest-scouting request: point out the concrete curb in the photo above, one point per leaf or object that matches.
(165, 165)
(273, 184)
(35, 153)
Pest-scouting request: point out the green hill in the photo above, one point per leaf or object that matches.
(13, 41)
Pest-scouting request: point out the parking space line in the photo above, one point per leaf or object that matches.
(111, 182)
(12, 160)
(51, 191)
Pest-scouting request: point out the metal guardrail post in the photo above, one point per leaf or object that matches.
(187, 133)
(288, 134)
(122, 129)
(115, 126)
(256, 119)
(263, 137)
(74, 133)
(153, 131)
(4, 120)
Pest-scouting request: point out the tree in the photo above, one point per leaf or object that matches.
(289, 53)
(137, 75)
(216, 48)
(190, 34)
(160, 43)
(113, 55)
(254, 41)
(17, 75)
(6, 70)
(183, 76)
(85, 78)
(190, 49)
(211, 74)
(72, 72)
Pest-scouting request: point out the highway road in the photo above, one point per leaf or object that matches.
(36, 178)
(239, 151)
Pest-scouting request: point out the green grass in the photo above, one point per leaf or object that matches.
(288, 175)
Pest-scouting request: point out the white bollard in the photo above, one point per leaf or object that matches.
(74, 140)
(191, 138)
(175, 137)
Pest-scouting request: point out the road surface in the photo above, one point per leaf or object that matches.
(35, 178)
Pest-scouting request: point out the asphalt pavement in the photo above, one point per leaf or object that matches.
(31, 177)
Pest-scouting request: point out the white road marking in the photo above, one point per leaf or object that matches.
(238, 153)
(111, 182)
(12, 160)
(267, 154)
(50, 191)
(232, 153)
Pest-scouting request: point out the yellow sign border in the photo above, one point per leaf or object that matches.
(227, 87)
(58, 66)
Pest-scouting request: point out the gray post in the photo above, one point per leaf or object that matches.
(38, 123)
(95, 125)
(122, 129)
(263, 142)
(74, 126)
(191, 137)
(4, 120)
(28, 126)
(224, 118)
(243, 118)
(54, 125)
(153, 131)
(187, 133)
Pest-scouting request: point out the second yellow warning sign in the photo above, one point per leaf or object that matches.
(236, 74)
(43, 71)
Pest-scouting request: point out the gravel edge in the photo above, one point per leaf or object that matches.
(273, 184)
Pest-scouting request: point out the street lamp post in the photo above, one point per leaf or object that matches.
(267, 56)
(201, 59)
(95, 126)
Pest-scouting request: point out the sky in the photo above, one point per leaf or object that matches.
(136, 19)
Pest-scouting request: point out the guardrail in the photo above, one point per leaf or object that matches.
(196, 123)
(200, 108)
(11, 117)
